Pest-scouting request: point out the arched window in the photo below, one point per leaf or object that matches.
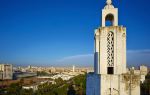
(109, 20)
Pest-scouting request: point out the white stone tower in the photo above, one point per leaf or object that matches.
(110, 51)
(110, 44)
(110, 76)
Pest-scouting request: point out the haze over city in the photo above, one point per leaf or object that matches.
(48, 33)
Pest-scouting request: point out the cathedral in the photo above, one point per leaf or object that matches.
(111, 76)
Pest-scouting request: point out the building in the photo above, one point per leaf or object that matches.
(52, 70)
(36, 85)
(6, 71)
(1, 75)
(144, 70)
(29, 67)
(73, 68)
(62, 76)
(111, 76)
(28, 87)
(19, 75)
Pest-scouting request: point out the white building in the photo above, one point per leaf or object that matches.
(63, 76)
(6, 71)
(110, 75)
(36, 85)
(144, 70)
(73, 68)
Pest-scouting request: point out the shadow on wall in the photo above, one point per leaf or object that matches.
(71, 90)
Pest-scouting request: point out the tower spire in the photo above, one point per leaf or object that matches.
(109, 2)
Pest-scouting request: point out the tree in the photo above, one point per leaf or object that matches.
(145, 87)
(59, 81)
(71, 90)
(21, 81)
(14, 89)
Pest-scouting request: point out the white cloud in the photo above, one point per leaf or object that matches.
(78, 60)
(134, 58)
(76, 57)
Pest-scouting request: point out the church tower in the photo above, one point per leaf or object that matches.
(111, 77)
(110, 43)
(110, 50)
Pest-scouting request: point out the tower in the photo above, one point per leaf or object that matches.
(73, 68)
(109, 55)
(110, 43)
(110, 51)
(111, 77)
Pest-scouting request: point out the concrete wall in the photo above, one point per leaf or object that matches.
(93, 84)
(111, 85)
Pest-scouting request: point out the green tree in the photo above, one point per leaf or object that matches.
(14, 89)
(59, 81)
(145, 87)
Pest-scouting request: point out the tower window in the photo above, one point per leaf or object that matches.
(109, 20)
(110, 70)
(110, 49)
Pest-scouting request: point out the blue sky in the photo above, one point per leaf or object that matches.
(61, 32)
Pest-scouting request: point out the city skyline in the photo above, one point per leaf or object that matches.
(51, 33)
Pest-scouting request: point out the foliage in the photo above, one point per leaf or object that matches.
(145, 87)
(21, 81)
(80, 82)
(74, 86)
(14, 89)
(42, 73)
